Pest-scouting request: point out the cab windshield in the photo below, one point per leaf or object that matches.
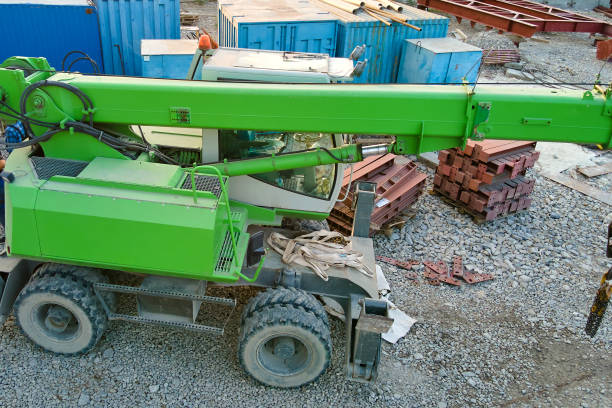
(313, 181)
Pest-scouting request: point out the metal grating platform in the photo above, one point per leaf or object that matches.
(204, 183)
(47, 167)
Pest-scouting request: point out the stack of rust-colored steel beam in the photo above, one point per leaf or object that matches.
(398, 186)
(521, 17)
(500, 56)
(487, 179)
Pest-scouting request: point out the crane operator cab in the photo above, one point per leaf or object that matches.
(304, 189)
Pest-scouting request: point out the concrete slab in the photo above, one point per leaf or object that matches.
(557, 157)
(430, 159)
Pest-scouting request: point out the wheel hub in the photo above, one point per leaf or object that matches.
(283, 355)
(284, 347)
(57, 319)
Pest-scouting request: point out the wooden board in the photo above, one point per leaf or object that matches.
(597, 194)
(594, 171)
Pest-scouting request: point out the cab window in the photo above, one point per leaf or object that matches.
(312, 181)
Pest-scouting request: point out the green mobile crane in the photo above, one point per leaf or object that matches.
(87, 195)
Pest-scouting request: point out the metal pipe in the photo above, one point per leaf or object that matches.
(318, 157)
(374, 150)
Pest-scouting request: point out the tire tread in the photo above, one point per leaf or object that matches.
(75, 290)
(280, 314)
(287, 297)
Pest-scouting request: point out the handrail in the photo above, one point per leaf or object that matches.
(226, 199)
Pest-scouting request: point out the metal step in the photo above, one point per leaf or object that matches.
(131, 290)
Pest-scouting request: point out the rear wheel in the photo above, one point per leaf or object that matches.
(285, 297)
(61, 314)
(284, 346)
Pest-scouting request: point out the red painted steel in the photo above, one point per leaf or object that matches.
(486, 178)
(604, 49)
(482, 13)
(519, 16)
(397, 187)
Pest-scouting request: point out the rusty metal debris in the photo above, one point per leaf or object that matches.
(436, 272)
(469, 277)
(407, 265)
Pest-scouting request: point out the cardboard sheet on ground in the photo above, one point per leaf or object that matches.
(401, 321)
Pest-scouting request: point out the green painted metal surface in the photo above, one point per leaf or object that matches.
(134, 215)
(444, 112)
(343, 154)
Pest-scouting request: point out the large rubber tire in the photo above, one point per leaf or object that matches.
(74, 300)
(283, 346)
(285, 297)
(89, 276)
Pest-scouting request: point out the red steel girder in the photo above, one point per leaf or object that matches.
(483, 13)
(542, 11)
(520, 16)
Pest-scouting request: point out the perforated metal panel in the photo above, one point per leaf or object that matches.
(204, 183)
(226, 256)
(47, 167)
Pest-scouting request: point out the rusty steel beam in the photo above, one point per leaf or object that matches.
(544, 18)
(482, 13)
(539, 10)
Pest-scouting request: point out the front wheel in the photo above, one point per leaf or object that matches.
(283, 346)
(61, 314)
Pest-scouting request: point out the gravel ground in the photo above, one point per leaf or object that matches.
(516, 341)
(551, 57)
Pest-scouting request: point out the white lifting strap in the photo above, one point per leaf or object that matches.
(314, 251)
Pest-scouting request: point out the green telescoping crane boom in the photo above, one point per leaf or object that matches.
(88, 189)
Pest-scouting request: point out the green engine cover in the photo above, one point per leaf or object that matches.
(126, 215)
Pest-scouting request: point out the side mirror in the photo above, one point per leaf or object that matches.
(359, 67)
(357, 52)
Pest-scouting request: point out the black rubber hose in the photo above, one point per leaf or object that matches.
(92, 62)
(85, 100)
(42, 138)
(84, 57)
(16, 115)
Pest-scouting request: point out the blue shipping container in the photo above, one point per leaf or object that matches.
(284, 26)
(384, 43)
(439, 61)
(167, 58)
(123, 23)
(51, 29)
